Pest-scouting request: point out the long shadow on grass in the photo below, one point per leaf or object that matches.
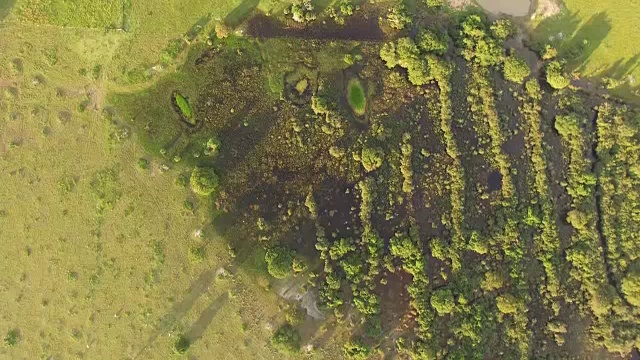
(5, 8)
(206, 318)
(240, 13)
(180, 309)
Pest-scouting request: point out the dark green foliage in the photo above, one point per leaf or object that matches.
(143, 164)
(356, 349)
(204, 181)
(556, 76)
(286, 339)
(181, 346)
(343, 9)
(279, 261)
(515, 69)
(12, 338)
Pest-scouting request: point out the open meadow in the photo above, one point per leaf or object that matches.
(317, 180)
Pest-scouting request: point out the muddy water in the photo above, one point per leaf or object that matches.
(509, 7)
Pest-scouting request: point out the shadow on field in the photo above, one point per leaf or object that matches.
(574, 42)
(240, 13)
(180, 309)
(5, 8)
(200, 326)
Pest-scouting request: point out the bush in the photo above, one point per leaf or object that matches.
(549, 52)
(431, 42)
(204, 181)
(442, 301)
(356, 349)
(371, 158)
(279, 261)
(555, 75)
(212, 147)
(286, 339)
(12, 338)
(515, 69)
(181, 345)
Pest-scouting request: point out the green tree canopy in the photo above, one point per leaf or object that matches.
(371, 158)
(356, 349)
(286, 339)
(279, 261)
(442, 301)
(515, 69)
(631, 284)
(556, 76)
(204, 181)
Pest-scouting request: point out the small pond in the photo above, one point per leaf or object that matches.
(509, 7)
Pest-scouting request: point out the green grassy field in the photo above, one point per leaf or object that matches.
(600, 39)
(100, 257)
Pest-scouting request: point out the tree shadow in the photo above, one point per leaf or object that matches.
(5, 8)
(574, 42)
(180, 309)
(240, 13)
(579, 49)
(206, 318)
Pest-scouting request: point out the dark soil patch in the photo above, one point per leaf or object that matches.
(361, 26)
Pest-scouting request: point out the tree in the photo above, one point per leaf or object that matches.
(442, 301)
(371, 158)
(431, 42)
(389, 55)
(356, 349)
(301, 11)
(515, 69)
(555, 75)
(398, 17)
(507, 304)
(434, 3)
(279, 261)
(204, 181)
(631, 284)
(502, 28)
(568, 125)
(492, 281)
(286, 339)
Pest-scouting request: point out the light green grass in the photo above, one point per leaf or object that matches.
(600, 38)
(105, 259)
(356, 97)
